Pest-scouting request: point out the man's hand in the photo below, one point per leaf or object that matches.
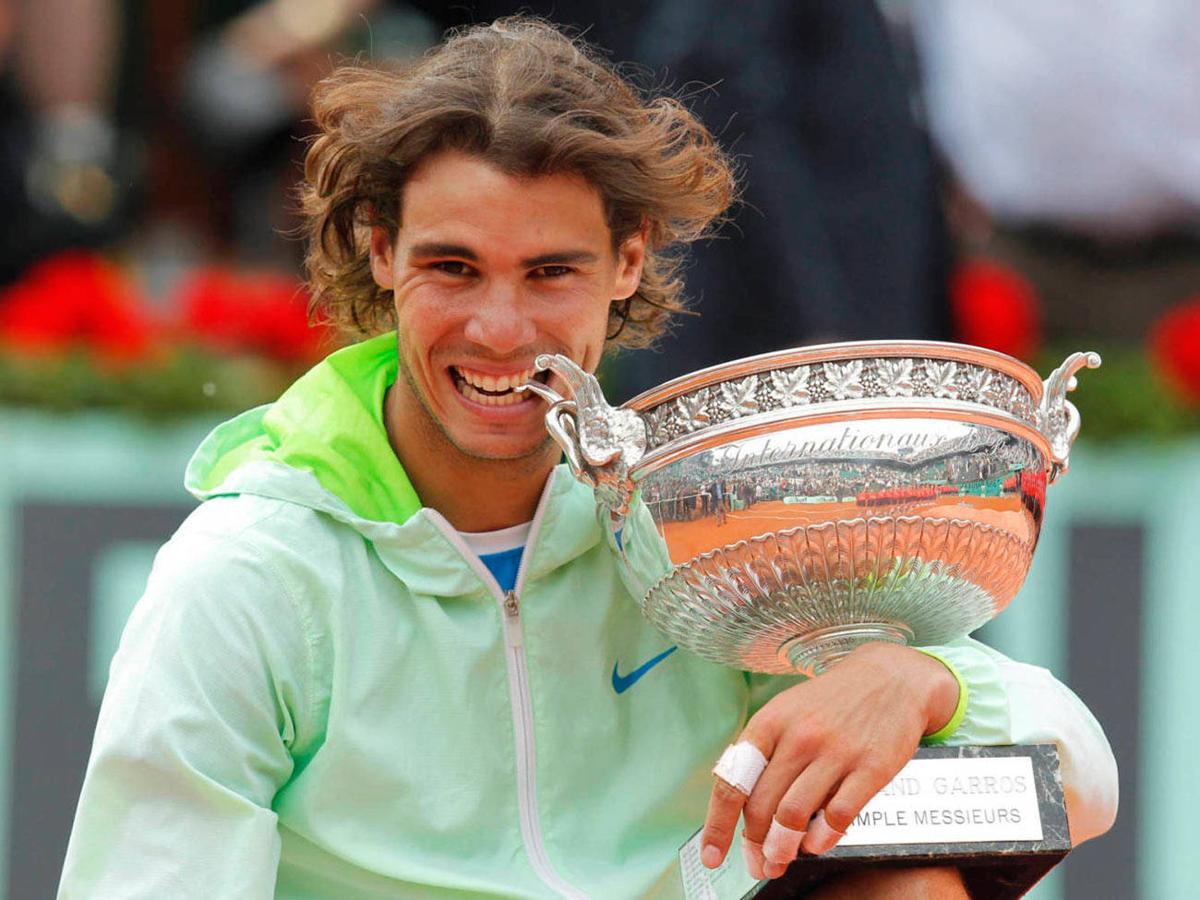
(831, 744)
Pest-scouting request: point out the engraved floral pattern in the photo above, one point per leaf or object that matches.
(845, 379)
(1016, 400)
(659, 424)
(738, 397)
(995, 392)
(693, 409)
(942, 377)
(979, 383)
(605, 433)
(854, 379)
(895, 375)
(1024, 408)
(791, 386)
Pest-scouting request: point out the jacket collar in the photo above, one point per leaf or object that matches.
(323, 445)
(421, 551)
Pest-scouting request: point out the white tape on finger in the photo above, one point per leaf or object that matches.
(740, 766)
(782, 843)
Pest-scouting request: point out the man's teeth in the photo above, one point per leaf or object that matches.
(494, 383)
(472, 393)
(473, 385)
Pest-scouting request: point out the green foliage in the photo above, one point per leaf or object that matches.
(1125, 398)
(185, 382)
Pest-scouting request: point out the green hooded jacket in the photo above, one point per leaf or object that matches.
(324, 694)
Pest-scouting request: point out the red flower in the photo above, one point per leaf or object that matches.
(259, 312)
(993, 306)
(74, 300)
(1175, 349)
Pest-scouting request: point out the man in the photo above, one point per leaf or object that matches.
(384, 658)
(716, 491)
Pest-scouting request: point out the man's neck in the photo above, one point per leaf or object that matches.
(473, 494)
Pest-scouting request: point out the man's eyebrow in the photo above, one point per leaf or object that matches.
(561, 258)
(433, 248)
(556, 258)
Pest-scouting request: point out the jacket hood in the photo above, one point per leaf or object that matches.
(328, 424)
(323, 445)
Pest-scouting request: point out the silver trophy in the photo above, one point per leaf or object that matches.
(775, 512)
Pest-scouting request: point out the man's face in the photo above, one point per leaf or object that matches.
(489, 270)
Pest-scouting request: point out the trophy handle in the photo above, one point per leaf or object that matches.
(601, 442)
(1057, 416)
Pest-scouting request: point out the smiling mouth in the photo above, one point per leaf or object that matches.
(493, 390)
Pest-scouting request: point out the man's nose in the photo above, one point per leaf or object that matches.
(503, 320)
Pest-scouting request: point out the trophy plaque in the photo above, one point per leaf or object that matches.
(995, 813)
(773, 513)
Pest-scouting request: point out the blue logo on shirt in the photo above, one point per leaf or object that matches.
(622, 683)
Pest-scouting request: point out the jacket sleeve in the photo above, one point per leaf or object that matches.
(205, 697)
(1009, 702)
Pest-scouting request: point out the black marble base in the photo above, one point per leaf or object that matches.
(960, 808)
(992, 870)
(986, 878)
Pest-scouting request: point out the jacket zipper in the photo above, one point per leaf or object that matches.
(521, 700)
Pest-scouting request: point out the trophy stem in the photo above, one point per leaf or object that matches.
(815, 651)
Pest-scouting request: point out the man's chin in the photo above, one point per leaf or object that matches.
(500, 450)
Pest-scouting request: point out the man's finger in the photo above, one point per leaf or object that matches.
(757, 814)
(753, 853)
(737, 772)
(830, 824)
(741, 765)
(782, 844)
(724, 809)
(764, 799)
(790, 819)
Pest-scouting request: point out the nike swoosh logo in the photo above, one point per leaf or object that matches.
(622, 683)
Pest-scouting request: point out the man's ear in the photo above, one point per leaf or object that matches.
(383, 250)
(631, 257)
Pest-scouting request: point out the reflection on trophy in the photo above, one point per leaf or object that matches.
(775, 512)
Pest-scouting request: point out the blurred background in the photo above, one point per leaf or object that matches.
(1018, 174)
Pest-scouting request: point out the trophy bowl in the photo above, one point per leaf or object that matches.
(775, 512)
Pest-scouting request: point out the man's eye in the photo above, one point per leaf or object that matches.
(552, 271)
(453, 267)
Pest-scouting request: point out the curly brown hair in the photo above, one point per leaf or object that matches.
(530, 100)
